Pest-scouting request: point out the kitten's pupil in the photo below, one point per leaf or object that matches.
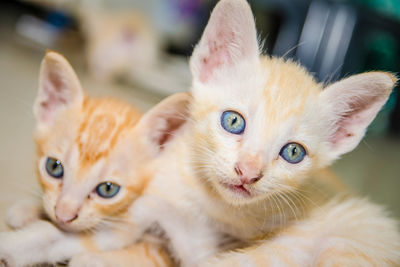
(108, 187)
(234, 120)
(294, 151)
(55, 165)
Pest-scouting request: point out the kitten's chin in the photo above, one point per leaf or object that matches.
(72, 228)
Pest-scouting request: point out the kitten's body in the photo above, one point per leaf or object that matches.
(240, 184)
(304, 227)
(95, 141)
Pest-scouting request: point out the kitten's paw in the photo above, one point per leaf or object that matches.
(3, 262)
(89, 259)
(23, 213)
(6, 260)
(26, 246)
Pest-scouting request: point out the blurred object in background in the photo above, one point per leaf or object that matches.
(130, 40)
(124, 44)
(38, 28)
(122, 39)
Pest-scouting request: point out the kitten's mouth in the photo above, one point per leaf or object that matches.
(238, 189)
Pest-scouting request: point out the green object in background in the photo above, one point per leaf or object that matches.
(381, 53)
(388, 7)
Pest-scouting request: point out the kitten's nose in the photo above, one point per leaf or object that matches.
(66, 210)
(249, 168)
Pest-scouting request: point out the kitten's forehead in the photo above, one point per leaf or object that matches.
(104, 123)
(287, 88)
(288, 94)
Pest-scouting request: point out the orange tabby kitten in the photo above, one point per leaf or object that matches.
(90, 166)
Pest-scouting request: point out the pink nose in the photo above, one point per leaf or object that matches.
(248, 173)
(66, 211)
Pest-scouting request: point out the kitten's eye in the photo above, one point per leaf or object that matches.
(54, 168)
(232, 122)
(293, 153)
(107, 189)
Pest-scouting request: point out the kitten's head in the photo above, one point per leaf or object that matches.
(261, 124)
(117, 42)
(92, 153)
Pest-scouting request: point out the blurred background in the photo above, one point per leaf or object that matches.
(138, 50)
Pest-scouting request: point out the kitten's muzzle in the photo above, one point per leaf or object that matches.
(67, 210)
(248, 173)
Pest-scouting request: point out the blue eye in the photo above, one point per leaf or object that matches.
(233, 122)
(293, 153)
(54, 168)
(107, 189)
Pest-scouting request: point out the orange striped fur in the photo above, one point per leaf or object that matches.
(96, 141)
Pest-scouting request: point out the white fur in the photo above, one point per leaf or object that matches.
(23, 213)
(42, 242)
(190, 174)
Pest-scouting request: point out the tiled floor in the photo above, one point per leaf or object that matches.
(373, 169)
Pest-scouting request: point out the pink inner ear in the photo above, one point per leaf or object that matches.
(172, 125)
(361, 115)
(54, 92)
(218, 54)
(342, 132)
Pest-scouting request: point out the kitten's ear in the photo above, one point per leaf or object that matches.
(229, 37)
(162, 122)
(59, 88)
(354, 102)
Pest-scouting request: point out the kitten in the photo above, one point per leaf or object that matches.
(125, 44)
(263, 126)
(91, 167)
(248, 161)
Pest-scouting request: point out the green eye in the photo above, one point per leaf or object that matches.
(107, 189)
(233, 122)
(54, 168)
(293, 153)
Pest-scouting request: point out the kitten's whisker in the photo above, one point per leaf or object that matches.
(281, 196)
(302, 203)
(279, 211)
(36, 192)
(329, 77)
(291, 49)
